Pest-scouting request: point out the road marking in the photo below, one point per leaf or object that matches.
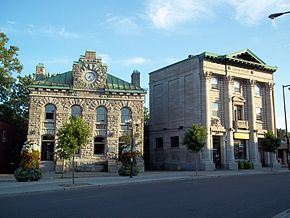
(283, 214)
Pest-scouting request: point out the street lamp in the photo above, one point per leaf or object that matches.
(286, 129)
(275, 15)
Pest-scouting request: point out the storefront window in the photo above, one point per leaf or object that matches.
(240, 149)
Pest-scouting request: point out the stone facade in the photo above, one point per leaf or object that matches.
(230, 95)
(88, 87)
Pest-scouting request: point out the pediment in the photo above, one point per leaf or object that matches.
(246, 55)
(238, 99)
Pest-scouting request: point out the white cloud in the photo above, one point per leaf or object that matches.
(61, 32)
(166, 14)
(105, 58)
(12, 22)
(124, 25)
(134, 61)
(251, 12)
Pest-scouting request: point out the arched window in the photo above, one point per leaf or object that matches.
(125, 116)
(50, 112)
(126, 119)
(99, 145)
(101, 117)
(76, 111)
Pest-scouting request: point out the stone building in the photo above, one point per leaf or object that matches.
(111, 106)
(231, 95)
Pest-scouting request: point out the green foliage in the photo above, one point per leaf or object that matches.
(72, 136)
(195, 138)
(146, 114)
(9, 63)
(270, 142)
(128, 154)
(247, 165)
(29, 165)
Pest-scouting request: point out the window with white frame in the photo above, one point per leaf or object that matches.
(214, 109)
(237, 86)
(258, 113)
(257, 90)
(214, 82)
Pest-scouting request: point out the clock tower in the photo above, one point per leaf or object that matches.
(89, 72)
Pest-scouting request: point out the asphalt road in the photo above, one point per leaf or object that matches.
(237, 196)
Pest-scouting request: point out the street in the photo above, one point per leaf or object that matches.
(234, 196)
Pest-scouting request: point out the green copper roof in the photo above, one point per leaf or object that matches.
(65, 81)
(245, 57)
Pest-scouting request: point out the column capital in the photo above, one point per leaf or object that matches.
(206, 75)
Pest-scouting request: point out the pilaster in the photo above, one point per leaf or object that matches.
(230, 156)
(253, 142)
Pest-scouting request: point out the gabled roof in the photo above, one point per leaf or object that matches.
(245, 57)
(65, 81)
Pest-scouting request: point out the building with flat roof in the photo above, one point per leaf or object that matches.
(111, 106)
(231, 95)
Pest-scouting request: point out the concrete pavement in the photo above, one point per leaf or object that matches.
(54, 182)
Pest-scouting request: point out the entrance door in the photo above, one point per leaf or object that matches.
(216, 145)
(47, 147)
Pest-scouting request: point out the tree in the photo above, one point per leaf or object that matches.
(146, 114)
(9, 63)
(195, 139)
(270, 143)
(72, 136)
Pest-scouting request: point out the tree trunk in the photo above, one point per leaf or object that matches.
(73, 172)
(195, 163)
(62, 173)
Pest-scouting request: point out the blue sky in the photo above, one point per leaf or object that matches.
(148, 34)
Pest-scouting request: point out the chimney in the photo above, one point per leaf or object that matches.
(135, 78)
(40, 72)
(90, 55)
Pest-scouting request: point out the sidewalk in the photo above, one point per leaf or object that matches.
(54, 182)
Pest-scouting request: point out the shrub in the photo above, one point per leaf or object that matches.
(241, 165)
(29, 164)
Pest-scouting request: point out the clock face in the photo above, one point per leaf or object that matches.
(90, 76)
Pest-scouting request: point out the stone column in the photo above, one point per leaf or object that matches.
(230, 155)
(206, 161)
(270, 118)
(253, 142)
(112, 140)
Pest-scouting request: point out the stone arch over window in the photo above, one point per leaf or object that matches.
(76, 111)
(99, 145)
(126, 119)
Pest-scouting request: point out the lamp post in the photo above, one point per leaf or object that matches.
(286, 129)
(275, 15)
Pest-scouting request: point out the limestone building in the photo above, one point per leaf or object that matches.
(231, 95)
(111, 106)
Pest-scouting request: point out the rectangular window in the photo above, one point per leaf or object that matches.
(214, 109)
(4, 136)
(238, 110)
(258, 113)
(214, 83)
(240, 149)
(257, 90)
(159, 143)
(174, 141)
(237, 86)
